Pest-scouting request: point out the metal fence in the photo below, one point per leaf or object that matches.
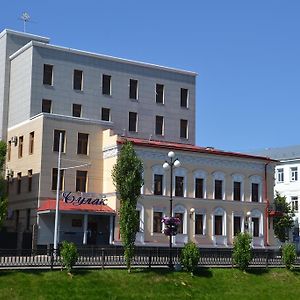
(144, 257)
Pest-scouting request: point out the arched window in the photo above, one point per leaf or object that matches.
(219, 230)
(158, 180)
(200, 184)
(200, 222)
(257, 223)
(157, 214)
(237, 187)
(181, 213)
(219, 185)
(180, 182)
(256, 188)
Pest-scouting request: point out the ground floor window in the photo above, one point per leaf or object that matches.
(157, 224)
(199, 224)
(236, 225)
(180, 226)
(218, 225)
(255, 223)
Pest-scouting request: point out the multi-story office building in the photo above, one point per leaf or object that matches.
(95, 102)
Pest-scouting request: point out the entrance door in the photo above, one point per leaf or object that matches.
(92, 233)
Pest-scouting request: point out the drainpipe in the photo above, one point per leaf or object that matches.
(267, 206)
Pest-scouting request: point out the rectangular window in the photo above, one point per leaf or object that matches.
(56, 140)
(48, 75)
(198, 187)
(159, 93)
(138, 214)
(82, 143)
(19, 182)
(46, 106)
(132, 121)
(158, 184)
(106, 84)
(20, 149)
(31, 142)
(255, 223)
(157, 224)
(9, 151)
(236, 225)
(17, 219)
(77, 80)
(280, 175)
(218, 189)
(294, 174)
(237, 191)
(180, 226)
(184, 129)
(81, 181)
(28, 219)
(29, 180)
(105, 114)
(159, 125)
(199, 224)
(255, 192)
(54, 179)
(76, 110)
(218, 225)
(184, 98)
(77, 223)
(294, 201)
(133, 89)
(179, 182)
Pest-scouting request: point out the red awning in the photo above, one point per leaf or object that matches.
(50, 204)
(275, 213)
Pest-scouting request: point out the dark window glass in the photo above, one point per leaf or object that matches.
(19, 181)
(105, 114)
(198, 224)
(237, 191)
(255, 223)
(20, 149)
(184, 98)
(77, 80)
(236, 225)
(132, 121)
(56, 140)
(81, 180)
(46, 106)
(29, 180)
(198, 187)
(157, 224)
(218, 189)
(159, 93)
(184, 129)
(28, 219)
(76, 112)
(17, 219)
(133, 86)
(218, 225)
(180, 226)
(31, 142)
(54, 179)
(138, 213)
(106, 84)
(82, 143)
(158, 184)
(8, 150)
(179, 181)
(255, 188)
(48, 74)
(159, 125)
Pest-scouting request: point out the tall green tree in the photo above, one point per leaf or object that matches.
(283, 222)
(3, 199)
(128, 180)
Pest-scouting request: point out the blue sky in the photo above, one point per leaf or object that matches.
(247, 55)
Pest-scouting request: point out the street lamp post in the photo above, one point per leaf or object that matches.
(248, 222)
(170, 164)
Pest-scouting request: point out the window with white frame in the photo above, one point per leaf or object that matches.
(256, 226)
(157, 224)
(200, 184)
(238, 187)
(294, 201)
(180, 182)
(256, 188)
(219, 222)
(294, 173)
(219, 184)
(280, 175)
(158, 183)
(181, 213)
(237, 225)
(140, 212)
(199, 224)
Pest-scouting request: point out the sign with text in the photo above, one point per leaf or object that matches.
(77, 199)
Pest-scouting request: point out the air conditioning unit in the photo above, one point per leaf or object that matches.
(10, 173)
(14, 140)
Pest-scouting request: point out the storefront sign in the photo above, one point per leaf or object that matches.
(82, 198)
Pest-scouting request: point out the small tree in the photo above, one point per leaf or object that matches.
(69, 255)
(289, 255)
(190, 257)
(127, 177)
(284, 222)
(242, 253)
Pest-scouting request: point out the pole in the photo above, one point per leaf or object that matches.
(171, 213)
(55, 242)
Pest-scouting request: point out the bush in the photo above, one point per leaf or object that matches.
(190, 257)
(242, 253)
(68, 255)
(289, 255)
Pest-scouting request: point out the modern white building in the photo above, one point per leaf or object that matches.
(96, 102)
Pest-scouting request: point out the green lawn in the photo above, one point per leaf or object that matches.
(154, 284)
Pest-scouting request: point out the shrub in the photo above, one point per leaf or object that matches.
(68, 255)
(190, 257)
(242, 253)
(289, 255)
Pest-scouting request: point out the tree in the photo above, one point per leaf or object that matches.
(127, 178)
(190, 257)
(289, 255)
(68, 255)
(284, 221)
(3, 198)
(242, 253)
